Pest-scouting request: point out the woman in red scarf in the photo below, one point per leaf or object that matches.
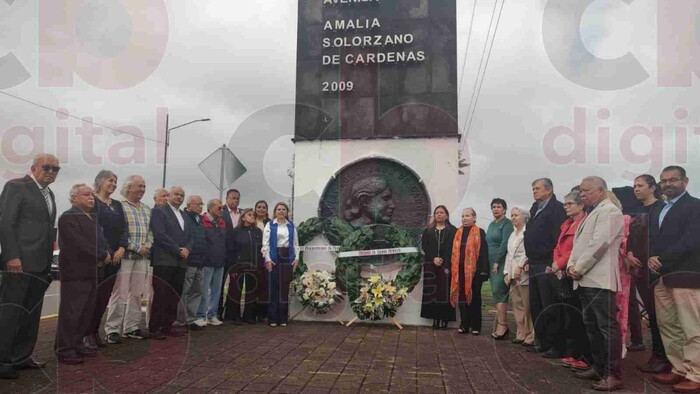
(469, 268)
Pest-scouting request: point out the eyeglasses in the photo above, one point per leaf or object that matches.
(48, 168)
(670, 180)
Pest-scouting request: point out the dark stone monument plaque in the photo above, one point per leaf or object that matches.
(376, 69)
(377, 191)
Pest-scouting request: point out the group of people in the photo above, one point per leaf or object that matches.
(114, 253)
(579, 274)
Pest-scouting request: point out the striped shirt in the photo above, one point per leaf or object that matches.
(138, 221)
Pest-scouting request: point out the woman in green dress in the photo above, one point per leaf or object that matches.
(497, 239)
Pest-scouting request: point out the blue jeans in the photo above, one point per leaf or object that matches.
(211, 292)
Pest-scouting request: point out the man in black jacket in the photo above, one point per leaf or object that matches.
(541, 234)
(172, 243)
(232, 216)
(674, 240)
(27, 218)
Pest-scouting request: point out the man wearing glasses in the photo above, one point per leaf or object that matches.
(674, 238)
(27, 218)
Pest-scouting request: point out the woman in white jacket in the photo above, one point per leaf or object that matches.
(516, 276)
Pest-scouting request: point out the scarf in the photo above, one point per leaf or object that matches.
(471, 256)
(273, 241)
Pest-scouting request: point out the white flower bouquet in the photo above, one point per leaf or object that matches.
(317, 290)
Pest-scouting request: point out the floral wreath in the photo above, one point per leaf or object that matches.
(317, 290)
(378, 299)
(347, 275)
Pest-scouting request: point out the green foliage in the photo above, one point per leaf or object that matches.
(339, 232)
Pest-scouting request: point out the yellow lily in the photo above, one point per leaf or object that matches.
(377, 291)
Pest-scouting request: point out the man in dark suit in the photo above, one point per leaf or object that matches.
(674, 243)
(27, 218)
(172, 243)
(83, 247)
(231, 215)
(546, 217)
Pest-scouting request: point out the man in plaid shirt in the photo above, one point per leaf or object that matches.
(124, 313)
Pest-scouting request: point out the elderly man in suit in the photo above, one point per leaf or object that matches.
(172, 243)
(27, 218)
(83, 248)
(594, 267)
(674, 235)
(546, 217)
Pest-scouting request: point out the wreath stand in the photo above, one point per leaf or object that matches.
(338, 232)
(392, 320)
(339, 320)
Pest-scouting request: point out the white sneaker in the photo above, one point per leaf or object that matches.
(215, 322)
(201, 322)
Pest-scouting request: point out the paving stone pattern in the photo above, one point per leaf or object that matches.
(312, 358)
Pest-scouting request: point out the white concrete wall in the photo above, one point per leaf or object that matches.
(433, 160)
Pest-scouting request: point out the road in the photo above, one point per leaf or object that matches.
(51, 299)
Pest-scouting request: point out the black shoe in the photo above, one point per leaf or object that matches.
(71, 360)
(158, 335)
(517, 341)
(114, 339)
(535, 349)
(636, 347)
(552, 353)
(656, 366)
(136, 334)
(100, 341)
(89, 342)
(7, 372)
(194, 327)
(435, 324)
(587, 375)
(30, 363)
(503, 336)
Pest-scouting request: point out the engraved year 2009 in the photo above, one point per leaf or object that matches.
(338, 86)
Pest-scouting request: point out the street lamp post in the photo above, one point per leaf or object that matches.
(167, 140)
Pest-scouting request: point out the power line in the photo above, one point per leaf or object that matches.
(478, 73)
(466, 51)
(495, 30)
(81, 119)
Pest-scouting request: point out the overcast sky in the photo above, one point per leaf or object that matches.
(234, 62)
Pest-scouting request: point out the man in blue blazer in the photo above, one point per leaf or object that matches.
(546, 217)
(674, 238)
(172, 243)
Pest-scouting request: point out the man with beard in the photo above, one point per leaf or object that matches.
(675, 255)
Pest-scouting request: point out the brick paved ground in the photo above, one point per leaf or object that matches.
(312, 358)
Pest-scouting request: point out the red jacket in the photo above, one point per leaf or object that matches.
(565, 243)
